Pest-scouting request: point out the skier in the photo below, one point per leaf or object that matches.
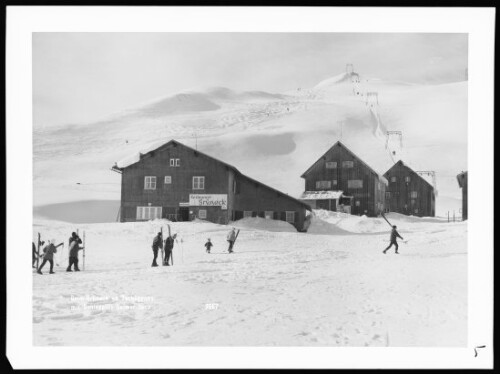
(231, 237)
(208, 245)
(169, 246)
(34, 254)
(394, 236)
(157, 243)
(48, 255)
(74, 247)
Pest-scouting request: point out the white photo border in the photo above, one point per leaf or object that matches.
(479, 23)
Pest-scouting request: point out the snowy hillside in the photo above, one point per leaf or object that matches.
(280, 287)
(255, 129)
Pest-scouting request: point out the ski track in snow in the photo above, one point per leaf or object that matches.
(278, 289)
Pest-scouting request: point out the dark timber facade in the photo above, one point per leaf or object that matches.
(408, 193)
(362, 189)
(179, 183)
(462, 182)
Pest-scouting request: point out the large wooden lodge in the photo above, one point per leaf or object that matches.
(180, 183)
(408, 192)
(340, 181)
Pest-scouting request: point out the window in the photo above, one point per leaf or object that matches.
(150, 183)
(358, 203)
(323, 184)
(355, 183)
(247, 213)
(393, 179)
(414, 194)
(175, 162)
(416, 210)
(198, 183)
(202, 214)
(387, 195)
(168, 179)
(290, 217)
(379, 186)
(331, 165)
(268, 214)
(334, 182)
(148, 212)
(407, 179)
(347, 164)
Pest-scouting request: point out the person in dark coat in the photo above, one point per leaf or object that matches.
(34, 254)
(208, 245)
(157, 244)
(394, 236)
(169, 246)
(48, 255)
(74, 247)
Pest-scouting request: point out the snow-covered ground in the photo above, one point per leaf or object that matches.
(329, 287)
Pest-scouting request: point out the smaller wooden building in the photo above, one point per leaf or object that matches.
(408, 192)
(340, 181)
(462, 182)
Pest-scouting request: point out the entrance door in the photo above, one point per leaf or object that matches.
(184, 214)
(322, 204)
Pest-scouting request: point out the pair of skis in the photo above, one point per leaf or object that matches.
(390, 224)
(236, 237)
(83, 248)
(163, 251)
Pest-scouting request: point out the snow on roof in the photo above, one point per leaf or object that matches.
(321, 195)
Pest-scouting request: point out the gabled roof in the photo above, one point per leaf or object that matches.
(340, 144)
(119, 169)
(401, 163)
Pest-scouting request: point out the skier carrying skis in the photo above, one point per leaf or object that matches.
(74, 247)
(169, 246)
(48, 255)
(34, 254)
(157, 243)
(208, 245)
(231, 237)
(394, 236)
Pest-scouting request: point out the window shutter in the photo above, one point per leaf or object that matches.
(283, 216)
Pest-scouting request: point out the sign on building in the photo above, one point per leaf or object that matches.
(208, 200)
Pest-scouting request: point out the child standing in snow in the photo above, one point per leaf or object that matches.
(208, 245)
(394, 236)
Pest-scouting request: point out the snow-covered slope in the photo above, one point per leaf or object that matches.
(279, 288)
(251, 129)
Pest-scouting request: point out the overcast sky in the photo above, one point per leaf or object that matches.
(82, 77)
